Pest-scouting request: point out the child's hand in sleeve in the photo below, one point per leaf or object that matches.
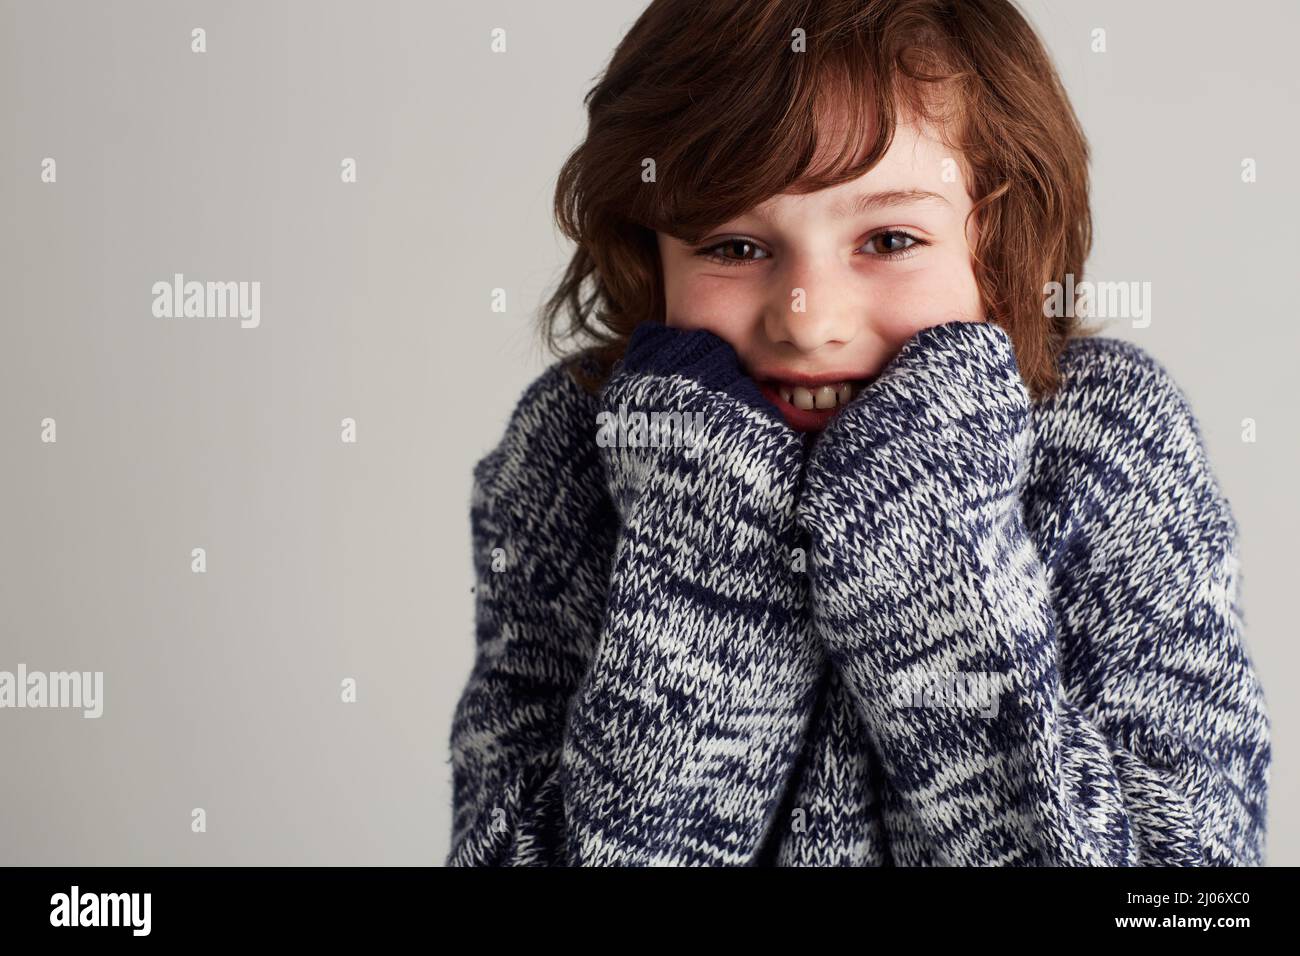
(679, 403)
(937, 441)
(1028, 713)
(693, 713)
(715, 496)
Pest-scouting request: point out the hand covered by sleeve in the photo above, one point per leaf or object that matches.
(682, 737)
(1100, 710)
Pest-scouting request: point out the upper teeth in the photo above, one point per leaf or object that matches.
(824, 396)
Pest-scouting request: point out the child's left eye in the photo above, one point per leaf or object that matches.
(894, 235)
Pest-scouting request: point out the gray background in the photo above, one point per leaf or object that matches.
(328, 560)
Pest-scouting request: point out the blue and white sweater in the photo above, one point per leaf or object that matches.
(957, 628)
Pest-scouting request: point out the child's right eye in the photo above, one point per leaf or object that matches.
(713, 255)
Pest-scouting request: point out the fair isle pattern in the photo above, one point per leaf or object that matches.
(665, 692)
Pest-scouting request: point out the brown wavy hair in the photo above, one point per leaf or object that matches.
(718, 96)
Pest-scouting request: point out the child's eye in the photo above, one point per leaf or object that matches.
(713, 255)
(895, 251)
(893, 238)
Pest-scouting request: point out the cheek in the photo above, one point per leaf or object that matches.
(944, 290)
(724, 307)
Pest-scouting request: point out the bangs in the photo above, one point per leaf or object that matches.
(796, 123)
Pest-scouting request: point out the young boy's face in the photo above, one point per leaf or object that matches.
(817, 297)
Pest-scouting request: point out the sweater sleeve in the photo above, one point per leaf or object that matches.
(687, 728)
(1093, 706)
(542, 531)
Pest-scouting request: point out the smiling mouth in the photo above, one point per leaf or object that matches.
(809, 406)
(819, 397)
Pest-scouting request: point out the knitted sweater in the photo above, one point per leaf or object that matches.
(958, 627)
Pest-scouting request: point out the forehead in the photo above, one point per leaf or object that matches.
(917, 162)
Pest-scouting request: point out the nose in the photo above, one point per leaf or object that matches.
(812, 308)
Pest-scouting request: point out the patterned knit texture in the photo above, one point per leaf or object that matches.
(956, 628)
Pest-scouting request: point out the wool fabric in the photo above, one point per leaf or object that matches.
(957, 627)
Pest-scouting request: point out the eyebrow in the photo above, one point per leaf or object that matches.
(867, 202)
